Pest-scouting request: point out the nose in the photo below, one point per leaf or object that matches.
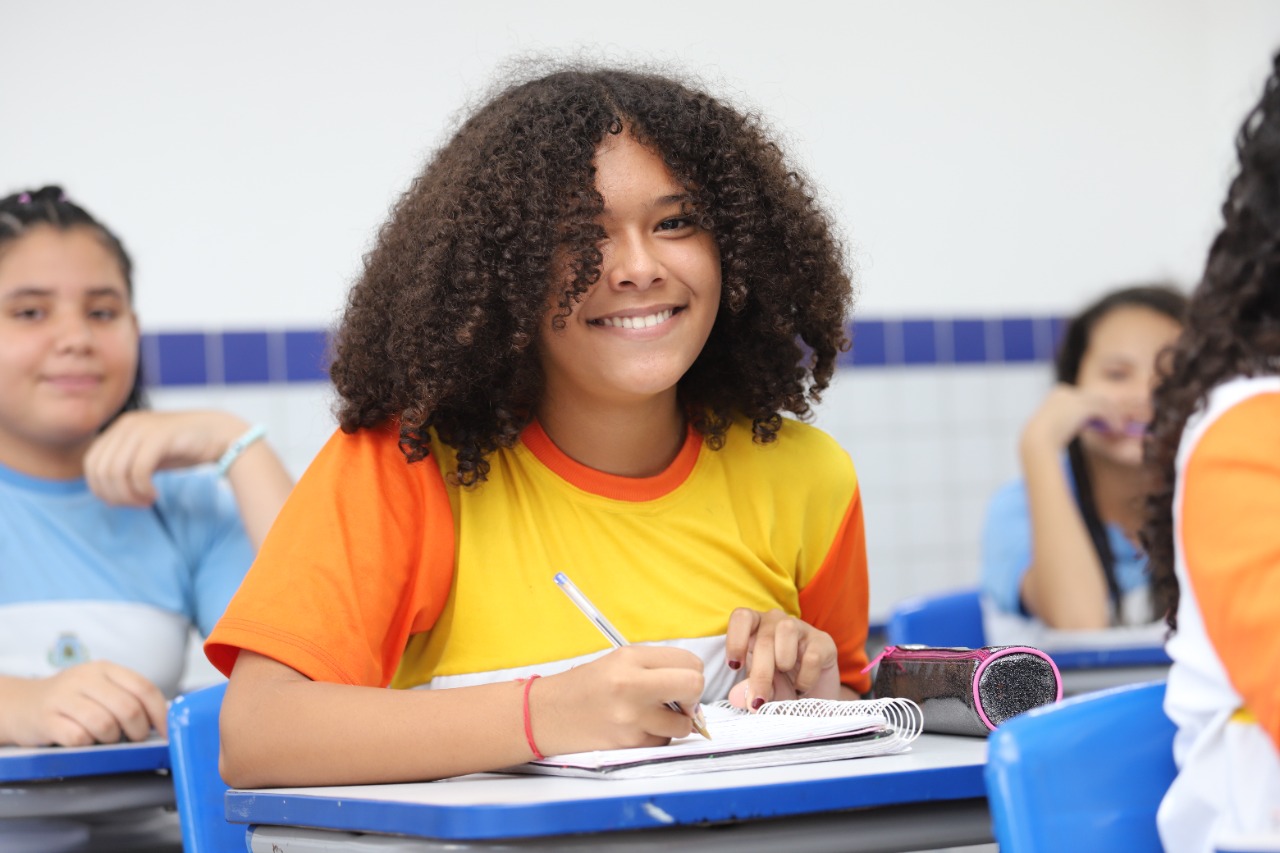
(629, 261)
(73, 333)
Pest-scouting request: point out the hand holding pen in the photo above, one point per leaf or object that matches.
(616, 639)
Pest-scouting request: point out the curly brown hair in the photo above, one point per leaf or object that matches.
(440, 330)
(1233, 325)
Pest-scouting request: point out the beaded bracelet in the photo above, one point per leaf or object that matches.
(239, 446)
(528, 722)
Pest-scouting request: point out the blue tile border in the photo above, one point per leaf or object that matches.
(277, 356)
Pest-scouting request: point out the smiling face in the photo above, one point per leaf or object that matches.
(68, 343)
(643, 324)
(1120, 363)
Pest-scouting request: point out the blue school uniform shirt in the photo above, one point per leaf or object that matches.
(1006, 553)
(81, 580)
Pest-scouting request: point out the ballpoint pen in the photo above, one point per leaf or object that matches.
(611, 634)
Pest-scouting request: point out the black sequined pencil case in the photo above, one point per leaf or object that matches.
(968, 691)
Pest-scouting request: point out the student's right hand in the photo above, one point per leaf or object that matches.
(616, 701)
(1067, 410)
(95, 702)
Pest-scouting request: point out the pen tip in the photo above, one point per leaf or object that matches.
(700, 724)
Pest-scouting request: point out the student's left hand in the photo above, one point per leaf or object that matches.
(120, 462)
(786, 658)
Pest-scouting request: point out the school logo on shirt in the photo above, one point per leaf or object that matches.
(67, 651)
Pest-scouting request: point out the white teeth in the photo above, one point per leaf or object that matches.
(638, 322)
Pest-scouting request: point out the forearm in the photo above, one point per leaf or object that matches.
(300, 732)
(260, 483)
(15, 696)
(1064, 586)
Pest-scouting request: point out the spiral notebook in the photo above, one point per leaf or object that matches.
(792, 732)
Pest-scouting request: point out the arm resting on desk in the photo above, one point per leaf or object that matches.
(279, 728)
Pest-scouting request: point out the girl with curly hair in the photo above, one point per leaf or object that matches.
(1060, 545)
(571, 349)
(109, 556)
(1211, 533)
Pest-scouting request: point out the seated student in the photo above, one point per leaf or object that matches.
(1060, 546)
(109, 553)
(569, 351)
(1214, 542)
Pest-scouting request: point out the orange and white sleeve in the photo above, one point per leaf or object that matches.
(1231, 542)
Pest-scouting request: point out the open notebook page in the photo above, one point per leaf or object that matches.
(780, 733)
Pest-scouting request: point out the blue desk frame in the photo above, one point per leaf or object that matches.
(940, 770)
(1110, 658)
(23, 764)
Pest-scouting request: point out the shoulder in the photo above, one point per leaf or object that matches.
(197, 492)
(794, 442)
(800, 456)
(1009, 501)
(1239, 423)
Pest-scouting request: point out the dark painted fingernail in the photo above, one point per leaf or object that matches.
(735, 664)
(756, 703)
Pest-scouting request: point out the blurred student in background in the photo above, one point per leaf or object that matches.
(120, 528)
(1213, 537)
(1060, 546)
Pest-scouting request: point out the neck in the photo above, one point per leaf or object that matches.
(39, 460)
(639, 440)
(1119, 492)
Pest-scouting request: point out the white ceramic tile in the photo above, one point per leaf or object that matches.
(920, 396)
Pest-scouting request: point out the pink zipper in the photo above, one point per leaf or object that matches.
(895, 652)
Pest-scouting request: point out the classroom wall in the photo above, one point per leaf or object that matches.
(992, 165)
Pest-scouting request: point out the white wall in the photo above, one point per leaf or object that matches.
(981, 155)
(984, 158)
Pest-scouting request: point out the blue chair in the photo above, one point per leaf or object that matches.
(952, 619)
(1085, 774)
(198, 788)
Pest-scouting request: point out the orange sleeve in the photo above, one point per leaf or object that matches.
(1231, 542)
(836, 599)
(360, 557)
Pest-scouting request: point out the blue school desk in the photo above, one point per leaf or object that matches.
(932, 796)
(1087, 670)
(60, 781)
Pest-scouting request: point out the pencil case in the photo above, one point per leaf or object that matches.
(967, 691)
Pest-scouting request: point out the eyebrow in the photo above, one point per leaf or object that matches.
(92, 293)
(664, 200)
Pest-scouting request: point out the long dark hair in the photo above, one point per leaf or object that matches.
(1162, 298)
(50, 206)
(1234, 323)
(440, 331)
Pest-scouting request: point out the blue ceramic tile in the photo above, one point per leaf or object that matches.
(244, 357)
(150, 360)
(969, 341)
(1057, 330)
(1019, 338)
(182, 359)
(919, 344)
(306, 356)
(1042, 328)
(868, 343)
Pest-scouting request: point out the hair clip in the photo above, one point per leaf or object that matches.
(25, 198)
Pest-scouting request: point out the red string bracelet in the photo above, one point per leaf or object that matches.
(528, 722)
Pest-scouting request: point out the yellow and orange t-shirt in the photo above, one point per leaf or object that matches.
(380, 572)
